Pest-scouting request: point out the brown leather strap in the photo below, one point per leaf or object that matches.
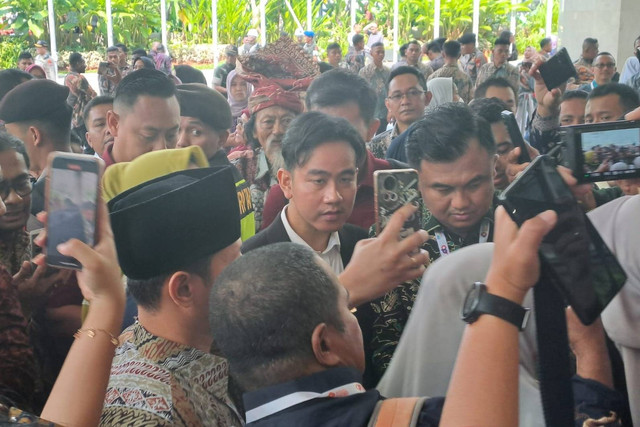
(397, 412)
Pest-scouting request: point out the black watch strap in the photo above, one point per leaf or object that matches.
(504, 309)
(479, 301)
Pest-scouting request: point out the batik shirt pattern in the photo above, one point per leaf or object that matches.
(391, 311)
(471, 63)
(506, 71)
(158, 382)
(378, 80)
(460, 79)
(380, 143)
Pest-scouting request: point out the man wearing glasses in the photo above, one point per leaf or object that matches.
(407, 99)
(604, 67)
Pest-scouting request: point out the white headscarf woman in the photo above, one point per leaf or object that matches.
(442, 91)
(426, 354)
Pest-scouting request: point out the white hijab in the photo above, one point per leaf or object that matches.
(617, 222)
(441, 89)
(424, 359)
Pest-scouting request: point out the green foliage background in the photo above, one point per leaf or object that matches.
(81, 24)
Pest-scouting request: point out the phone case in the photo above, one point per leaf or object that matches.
(393, 189)
(71, 203)
(578, 261)
(558, 69)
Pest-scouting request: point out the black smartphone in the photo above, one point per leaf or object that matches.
(578, 261)
(509, 120)
(602, 151)
(557, 70)
(71, 204)
(103, 67)
(393, 189)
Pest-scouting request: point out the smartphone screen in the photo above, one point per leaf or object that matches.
(103, 67)
(393, 189)
(578, 261)
(557, 70)
(509, 120)
(72, 196)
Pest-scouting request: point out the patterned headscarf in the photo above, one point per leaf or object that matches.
(268, 96)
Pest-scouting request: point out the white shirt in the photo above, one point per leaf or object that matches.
(331, 254)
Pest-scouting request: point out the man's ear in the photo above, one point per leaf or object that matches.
(224, 135)
(373, 128)
(35, 135)
(179, 289)
(285, 180)
(427, 98)
(113, 120)
(322, 344)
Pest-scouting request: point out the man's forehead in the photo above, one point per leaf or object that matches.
(98, 111)
(274, 111)
(603, 58)
(601, 104)
(403, 80)
(573, 106)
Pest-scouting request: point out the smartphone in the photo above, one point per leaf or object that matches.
(71, 204)
(557, 70)
(509, 120)
(578, 261)
(103, 67)
(393, 189)
(603, 151)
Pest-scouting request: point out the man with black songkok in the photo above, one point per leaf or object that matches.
(163, 372)
(205, 119)
(43, 126)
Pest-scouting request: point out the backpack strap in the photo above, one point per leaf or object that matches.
(397, 412)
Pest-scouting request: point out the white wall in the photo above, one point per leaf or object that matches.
(613, 22)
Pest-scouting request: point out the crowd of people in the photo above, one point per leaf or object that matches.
(238, 276)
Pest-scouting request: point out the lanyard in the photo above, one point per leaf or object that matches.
(443, 245)
(296, 398)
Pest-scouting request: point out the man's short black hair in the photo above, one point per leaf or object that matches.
(377, 44)
(98, 100)
(605, 53)
(481, 90)
(122, 46)
(11, 78)
(75, 58)
(414, 42)
(333, 46)
(589, 41)
(506, 34)
(25, 55)
(452, 49)
(310, 130)
(143, 82)
(189, 74)
(9, 142)
(338, 87)
(545, 41)
(148, 292)
(434, 46)
(502, 42)
(112, 49)
(574, 94)
(264, 308)
(489, 109)
(403, 50)
(629, 98)
(405, 69)
(139, 52)
(358, 38)
(444, 135)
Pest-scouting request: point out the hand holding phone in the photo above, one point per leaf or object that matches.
(71, 203)
(393, 189)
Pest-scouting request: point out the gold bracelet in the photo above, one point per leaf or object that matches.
(92, 333)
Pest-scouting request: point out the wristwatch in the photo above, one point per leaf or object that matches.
(479, 301)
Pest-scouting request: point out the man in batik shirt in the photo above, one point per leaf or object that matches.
(451, 69)
(472, 58)
(378, 77)
(80, 93)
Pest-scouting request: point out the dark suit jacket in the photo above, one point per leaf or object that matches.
(349, 236)
(275, 233)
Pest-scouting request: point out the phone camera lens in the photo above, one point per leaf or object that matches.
(390, 183)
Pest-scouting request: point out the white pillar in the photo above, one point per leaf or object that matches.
(436, 19)
(476, 16)
(309, 16)
(395, 31)
(549, 17)
(512, 26)
(354, 5)
(214, 31)
(53, 48)
(109, 24)
(263, 22)
(163, 18)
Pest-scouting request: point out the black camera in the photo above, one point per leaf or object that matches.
(602, 151)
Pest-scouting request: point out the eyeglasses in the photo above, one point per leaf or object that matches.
(410, 94)
(607, 65)
(21, 185)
